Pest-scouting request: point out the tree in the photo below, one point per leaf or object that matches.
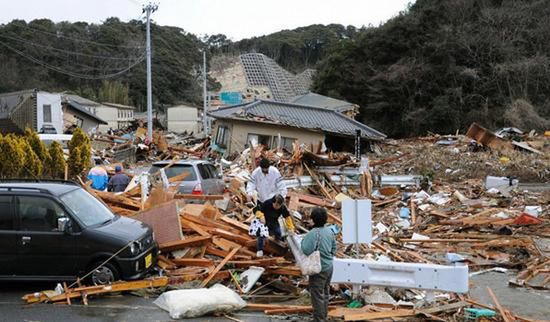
(12, 156)
(80, 152)
(37, 146)
(56, 164)
(32, 165)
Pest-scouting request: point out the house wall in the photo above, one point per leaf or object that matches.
(54, 100)
(183, 118)
(239, 132)
(109, 115)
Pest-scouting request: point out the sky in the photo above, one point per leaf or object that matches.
(236, 19)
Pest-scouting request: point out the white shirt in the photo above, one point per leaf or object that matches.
(267, 185)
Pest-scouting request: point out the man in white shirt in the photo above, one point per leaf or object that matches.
(267, 181)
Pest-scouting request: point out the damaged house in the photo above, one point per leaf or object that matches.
(279, 124)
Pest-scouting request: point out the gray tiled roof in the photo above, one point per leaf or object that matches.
(315, 99)
(299, 116)
(83, 105)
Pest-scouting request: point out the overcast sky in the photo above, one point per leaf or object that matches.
(235, 18)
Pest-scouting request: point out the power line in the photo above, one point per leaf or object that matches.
(60, 35)
(63, 50)
(69, 73)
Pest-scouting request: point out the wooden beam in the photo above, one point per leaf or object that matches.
(499, 307)
(181, 244)
(198, 197)
(379, 315)
(100, 289)
(219, 267)
(202, 262)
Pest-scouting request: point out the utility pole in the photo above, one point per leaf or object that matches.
(150, 8)
(204, 93)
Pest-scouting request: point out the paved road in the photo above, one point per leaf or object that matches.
(115, 308)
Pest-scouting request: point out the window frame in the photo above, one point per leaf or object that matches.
(222, 136)
(48, 108)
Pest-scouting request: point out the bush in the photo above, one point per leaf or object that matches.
(80, 152)
(56, 163)
(12, 156)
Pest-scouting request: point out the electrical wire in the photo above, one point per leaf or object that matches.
(69, 73)
(63, 50)
(59, 35)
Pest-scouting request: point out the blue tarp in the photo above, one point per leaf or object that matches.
(230, 98)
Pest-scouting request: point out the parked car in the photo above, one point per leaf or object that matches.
(202, 176)
(56, 230)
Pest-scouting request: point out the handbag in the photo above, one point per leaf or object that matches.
(311, 265)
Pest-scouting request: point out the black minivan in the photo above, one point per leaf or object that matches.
(56, 230)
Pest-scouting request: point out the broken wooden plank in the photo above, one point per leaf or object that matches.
(379, 315)
(189, 242)
(198, 197)
(499, 307)
(94, 290)
(219, 267)
(202, 262)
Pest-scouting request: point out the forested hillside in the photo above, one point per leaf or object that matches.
(294, 50)
(438, 66)
(444, 64)
(79, 56)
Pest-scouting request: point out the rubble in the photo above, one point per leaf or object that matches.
(421, 213)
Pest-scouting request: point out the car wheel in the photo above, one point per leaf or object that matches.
(106, 274)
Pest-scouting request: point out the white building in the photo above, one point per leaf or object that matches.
(34, 109)
(117, 116)
(183, 118)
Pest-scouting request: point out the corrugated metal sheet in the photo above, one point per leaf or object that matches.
(300, 116)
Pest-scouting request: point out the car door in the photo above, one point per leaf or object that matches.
(43, 250)
(208, 183)
(217, 178)
(8, 235)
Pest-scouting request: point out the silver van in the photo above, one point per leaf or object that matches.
(203, 177)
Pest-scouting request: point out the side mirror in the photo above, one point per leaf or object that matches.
(63, 224)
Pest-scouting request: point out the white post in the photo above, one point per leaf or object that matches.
(149, 9)
(204, 94)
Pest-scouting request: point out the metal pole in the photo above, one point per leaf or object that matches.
(149, 9)
(204, 105)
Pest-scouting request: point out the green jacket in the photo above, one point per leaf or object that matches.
(327, 246)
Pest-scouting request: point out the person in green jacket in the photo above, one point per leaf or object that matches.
(319, 284)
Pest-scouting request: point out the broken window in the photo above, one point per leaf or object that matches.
(47, 109)
(286, 143)
(255, 139)
(222, 136)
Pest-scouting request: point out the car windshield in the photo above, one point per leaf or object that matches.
(86, 208)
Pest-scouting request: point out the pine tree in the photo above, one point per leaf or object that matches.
(80, 142)
(32, 165)
(38, 147)
(56, 163)
(76, 166)
(12, 156)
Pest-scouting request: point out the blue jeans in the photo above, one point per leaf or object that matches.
(273, 231)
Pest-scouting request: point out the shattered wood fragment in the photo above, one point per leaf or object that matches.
(185, 243)
(379, 315)
(220, 266)
(203, 262)
(95, 290)
(499, 307)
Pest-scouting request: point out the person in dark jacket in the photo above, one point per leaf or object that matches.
(319, 284)
(268, 213)
(119, 181)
